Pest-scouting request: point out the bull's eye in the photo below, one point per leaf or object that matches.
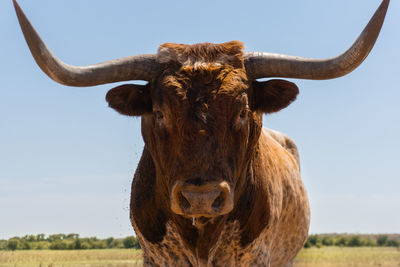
(159, 115)
(243, 114)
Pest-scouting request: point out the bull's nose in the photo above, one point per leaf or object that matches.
(209, 200)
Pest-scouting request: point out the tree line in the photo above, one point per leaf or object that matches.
(66, 242)
(351, 240)
(73, 241)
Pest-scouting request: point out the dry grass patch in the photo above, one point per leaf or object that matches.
(68, 258)
(344, 257)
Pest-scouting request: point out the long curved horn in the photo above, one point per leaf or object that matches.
(261, 65)
(140, 67)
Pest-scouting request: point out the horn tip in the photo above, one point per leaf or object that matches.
(16, 6)
(379, 16)
(20, 13)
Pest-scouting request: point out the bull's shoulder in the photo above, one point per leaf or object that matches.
(288, 202)
(286, 142)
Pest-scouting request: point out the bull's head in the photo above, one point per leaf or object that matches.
(202, 107)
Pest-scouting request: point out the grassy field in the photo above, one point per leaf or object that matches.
(69, 258)
(343, 257)
(313, 257)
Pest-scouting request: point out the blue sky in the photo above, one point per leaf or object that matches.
(67, 160)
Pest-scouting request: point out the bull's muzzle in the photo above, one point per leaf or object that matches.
(207, 200)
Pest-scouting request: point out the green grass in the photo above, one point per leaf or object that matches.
(312, 257)
(343, 257)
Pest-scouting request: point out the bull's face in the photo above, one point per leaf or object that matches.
(198, 136)
(200, 122)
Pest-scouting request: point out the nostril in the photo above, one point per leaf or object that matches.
(184, 203)
(218, 202)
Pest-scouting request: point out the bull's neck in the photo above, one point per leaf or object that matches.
(252, 209)
(201, 239)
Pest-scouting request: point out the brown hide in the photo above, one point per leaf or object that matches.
(201, 122)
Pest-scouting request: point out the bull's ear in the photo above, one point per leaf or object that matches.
(130, 99)
(273, 95)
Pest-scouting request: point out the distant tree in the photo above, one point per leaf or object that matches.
(313, 239)
(85, 245)
(131, 242)
(307, 244)
(72, 236)
(77, 244)
(355, 241)
(59, 245)
(109, 242)
(382, 240)
(327, 241)
(341, 241)
(56, 237)
(392, 243)
(39, 246)
(29, 238)
(369, 242)
(3, 244)
(13, 244)
(40, 237)
(116, 243)
(99, 244)
(93, 239)
(26, 245)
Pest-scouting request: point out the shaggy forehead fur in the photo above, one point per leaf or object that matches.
(229, 53)
(194, 75)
